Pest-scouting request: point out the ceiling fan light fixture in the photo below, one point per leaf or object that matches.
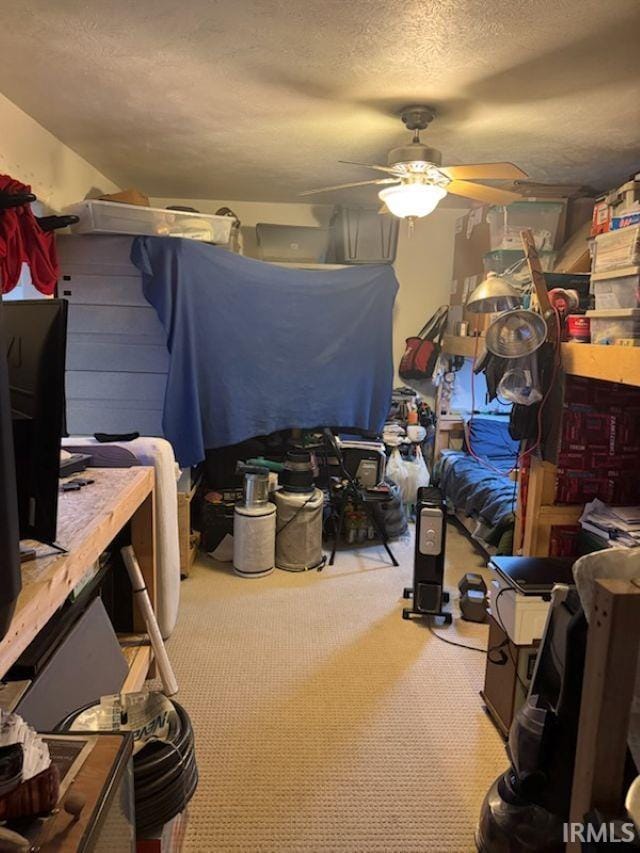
(408, 201)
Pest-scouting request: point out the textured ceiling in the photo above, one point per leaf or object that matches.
(259, 99)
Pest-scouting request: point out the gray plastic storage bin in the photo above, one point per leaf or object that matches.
(302, 244)
(617, 249)
(608, 326)
(617, 288)
(364, 236)
(114, 217)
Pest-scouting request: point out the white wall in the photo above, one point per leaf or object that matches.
(57, 175)
(423, 265)
(29, 153)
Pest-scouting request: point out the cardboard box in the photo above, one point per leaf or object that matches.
(579, 487)
(626, 195)
(563, 541)
(574, 255)
(624, 219)
(601, 217)
(130, 196)
(579, 211)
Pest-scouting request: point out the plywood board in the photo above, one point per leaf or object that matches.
(608, 363)
(88, 520)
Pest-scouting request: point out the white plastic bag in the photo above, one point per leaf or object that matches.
(418, 477)
(398, 472)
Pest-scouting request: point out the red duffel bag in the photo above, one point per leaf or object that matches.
(422, 351)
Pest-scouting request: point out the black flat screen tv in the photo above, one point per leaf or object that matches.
(10, 578)
(35, 346)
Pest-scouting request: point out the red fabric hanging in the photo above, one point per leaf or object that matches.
(22, 240)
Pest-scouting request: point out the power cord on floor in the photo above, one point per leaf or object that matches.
(506, 641)
(454, 643)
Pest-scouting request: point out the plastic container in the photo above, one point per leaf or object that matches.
(611, 326)
(617, 249)
(522, 616)
(292, 243)
(500, 260)
(363, 236)
(542, 217)
(579, 328)
(112, 217)
(297, 474)
(617, 289)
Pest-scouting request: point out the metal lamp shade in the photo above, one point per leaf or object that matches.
(493, 294)
(516, 333)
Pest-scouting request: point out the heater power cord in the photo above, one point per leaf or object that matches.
(489, 652)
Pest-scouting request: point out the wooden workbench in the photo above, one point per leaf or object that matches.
(88, 521)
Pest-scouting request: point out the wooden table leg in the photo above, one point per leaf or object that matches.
(607, 694)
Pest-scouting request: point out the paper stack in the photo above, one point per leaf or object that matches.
(618, 525)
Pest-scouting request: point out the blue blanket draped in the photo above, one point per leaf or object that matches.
(255, 348)
(476, 489)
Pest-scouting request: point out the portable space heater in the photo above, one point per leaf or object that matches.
(428, 566)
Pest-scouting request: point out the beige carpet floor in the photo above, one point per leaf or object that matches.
(323, 720)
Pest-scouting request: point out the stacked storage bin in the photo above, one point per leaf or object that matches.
(615, 279)
(544, 218)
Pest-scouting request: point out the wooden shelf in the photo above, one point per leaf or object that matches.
(88, 521)
(608, 363)
(466, 346)
(138, 660)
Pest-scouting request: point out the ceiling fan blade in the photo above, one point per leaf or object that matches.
(352, 184)
(389, 169)
(484, 172)
(478, 192)
(535, 188)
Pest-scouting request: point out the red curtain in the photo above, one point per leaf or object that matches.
(22, 240)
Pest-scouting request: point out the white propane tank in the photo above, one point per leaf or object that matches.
(299, 530)
(254, 540)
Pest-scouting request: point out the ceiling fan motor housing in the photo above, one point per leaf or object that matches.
(417, 117)
(414, 151)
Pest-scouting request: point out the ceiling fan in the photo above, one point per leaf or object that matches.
(418, 182)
